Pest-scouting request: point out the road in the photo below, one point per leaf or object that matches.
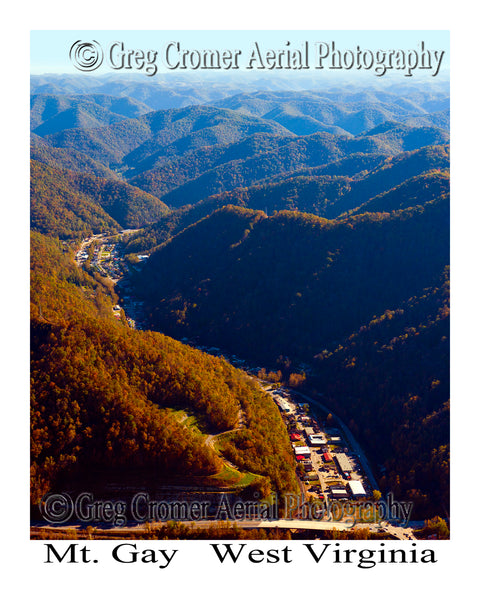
(298, 524)
(401, 533)
(205, 524)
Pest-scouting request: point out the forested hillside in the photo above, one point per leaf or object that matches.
(102, 393)
(283, 285)
(366, 295)
(67, 159)
(335, 111)
(283, 156)
(50, 114)
(161, 133)
(68, 204)
(361, 183)
(390, 381)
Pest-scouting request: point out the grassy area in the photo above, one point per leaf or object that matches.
(186, 418)
(221, 438)
(230, 476)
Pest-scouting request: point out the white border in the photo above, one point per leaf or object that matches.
(196, 574)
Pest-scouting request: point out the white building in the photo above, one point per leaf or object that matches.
(302, 450)
(356, 488)
(317, 439)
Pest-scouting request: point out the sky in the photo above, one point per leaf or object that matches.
(50, 50)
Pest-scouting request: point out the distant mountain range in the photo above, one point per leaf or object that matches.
(50, 114)
(338, 112)
(184, 155)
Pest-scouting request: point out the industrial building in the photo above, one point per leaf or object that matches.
(344, 463)
(338, 493)
(316, 439)
(283, 404)
(356, 489)
(336, 439)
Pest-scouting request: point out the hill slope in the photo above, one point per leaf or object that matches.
(285, 156)
(344, 112)
(68, 204)
(257, 285)
(367, 296)
(102, 393)
(161, 133)
(353, 184)
(51, 114)
(390, 381)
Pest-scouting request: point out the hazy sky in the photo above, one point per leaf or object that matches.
(49, 50)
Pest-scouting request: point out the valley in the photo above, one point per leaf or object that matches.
(323, 479)
(199, 269)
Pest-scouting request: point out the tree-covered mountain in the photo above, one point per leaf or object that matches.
(102, 394)
(439, 119)
(284, 157)
(59, 211)
(50, 113)
(162, 133)
(67, 204)
(266, 287)
(67, 158)
(360, 183)
(287, 227)
(364, 299)
(334, 111)
(162, 92)
(185, 155)
(390, 381)
(415, 191)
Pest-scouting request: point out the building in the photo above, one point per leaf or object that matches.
(283, 404)
(338, 493)
(327, 457)
(344, 463)
(336, 439)
(302, 450)
(356, 488)
(309, 431)
(316, 439)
